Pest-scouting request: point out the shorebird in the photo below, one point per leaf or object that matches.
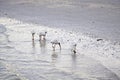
(74, 48)
(54, 43)
(33, 34)
(42, 35)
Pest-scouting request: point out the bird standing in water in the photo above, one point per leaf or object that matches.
(42, 35)
(33, 34)
(54, 43)
(74, 48)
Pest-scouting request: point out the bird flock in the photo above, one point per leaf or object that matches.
(42, 37)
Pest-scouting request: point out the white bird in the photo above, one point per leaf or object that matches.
(42, 35)
(73, 49)
(33, 33)
(54, 43)
(74, 45)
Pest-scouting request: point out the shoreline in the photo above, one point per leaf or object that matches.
(98, 19)
(88, 46)
(71, 36)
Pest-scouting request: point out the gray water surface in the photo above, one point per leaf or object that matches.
(94, 17)
(37, 61)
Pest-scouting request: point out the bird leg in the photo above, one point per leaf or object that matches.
(33, 36)
(59, 45)
(40, 37)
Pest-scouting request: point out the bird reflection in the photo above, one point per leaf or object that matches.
(74, 56)
(42, 45)
(33, 43)
(33, 47)
(54, 57)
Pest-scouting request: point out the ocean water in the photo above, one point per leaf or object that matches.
(91, 17)
(79, 21)
(5, 72)
(36, 60)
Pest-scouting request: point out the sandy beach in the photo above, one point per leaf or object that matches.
(97, 56)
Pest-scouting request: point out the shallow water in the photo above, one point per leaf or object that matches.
(27, 60)
(34, 60)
